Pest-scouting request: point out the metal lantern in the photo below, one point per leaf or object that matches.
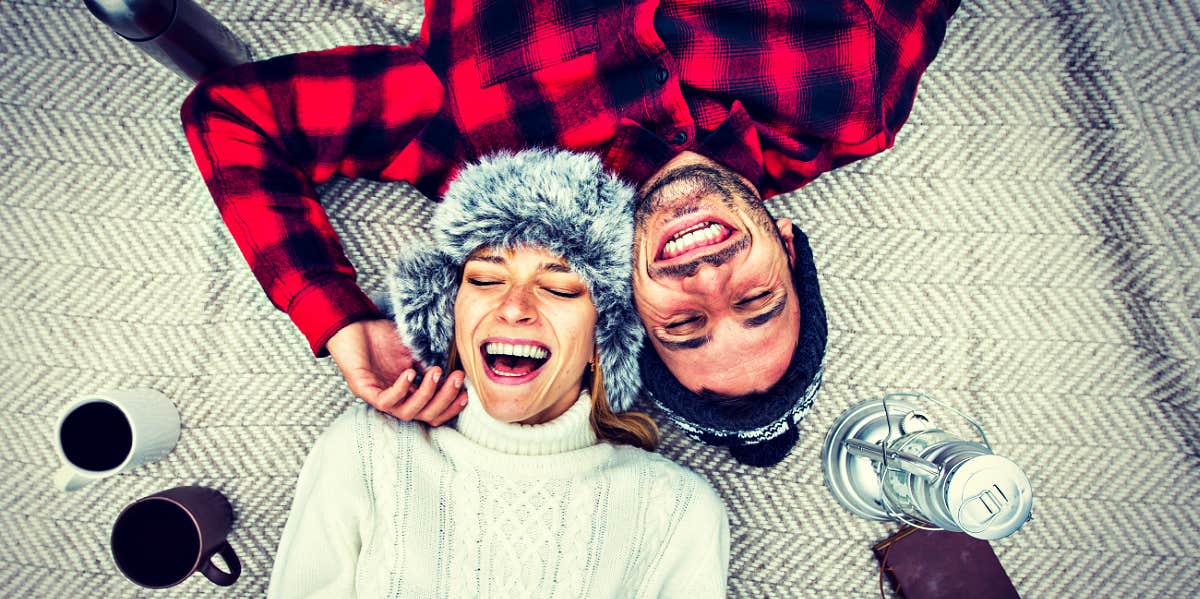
(885, 459)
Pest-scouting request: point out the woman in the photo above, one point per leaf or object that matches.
(538, 489)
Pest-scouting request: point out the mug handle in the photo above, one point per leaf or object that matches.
(210, 570)
(69, 479)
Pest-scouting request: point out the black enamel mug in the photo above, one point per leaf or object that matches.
(160, 540)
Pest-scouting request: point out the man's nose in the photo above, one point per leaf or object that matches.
(708, 280)
(517, 306)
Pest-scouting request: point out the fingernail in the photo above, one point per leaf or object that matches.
(410, 375)
(437, 375)
(457, 383)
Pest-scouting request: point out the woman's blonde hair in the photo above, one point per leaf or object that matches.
(627, 428)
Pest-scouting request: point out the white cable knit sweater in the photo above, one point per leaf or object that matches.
(490, 509)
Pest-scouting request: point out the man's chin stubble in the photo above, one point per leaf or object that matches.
(702, 179)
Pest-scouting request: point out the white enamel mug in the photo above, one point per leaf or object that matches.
(102, 434)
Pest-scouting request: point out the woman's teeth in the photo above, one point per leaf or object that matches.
(520, 351)
(514, 359)
(701, 234)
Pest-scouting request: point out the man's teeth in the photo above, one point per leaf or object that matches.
(520, 351)
(692, 237)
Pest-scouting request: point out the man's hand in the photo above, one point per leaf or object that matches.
(380, 369)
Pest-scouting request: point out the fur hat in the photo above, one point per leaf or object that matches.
(561, 201)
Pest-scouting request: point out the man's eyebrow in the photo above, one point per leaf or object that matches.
(555, 267)
(685, 344)
(767, 316)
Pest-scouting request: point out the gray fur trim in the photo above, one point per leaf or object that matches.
(561, 201)
(421, 290)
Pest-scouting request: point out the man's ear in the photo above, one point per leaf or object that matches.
(789, 239)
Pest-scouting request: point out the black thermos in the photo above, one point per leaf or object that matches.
(178, 33)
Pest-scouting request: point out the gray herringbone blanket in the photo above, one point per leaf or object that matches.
(1029, 251)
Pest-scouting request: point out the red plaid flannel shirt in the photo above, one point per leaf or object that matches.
(779, 91)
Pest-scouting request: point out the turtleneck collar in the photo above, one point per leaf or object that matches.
(570, 431)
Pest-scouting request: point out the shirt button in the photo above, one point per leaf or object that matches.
(661, 75)
(679, 138)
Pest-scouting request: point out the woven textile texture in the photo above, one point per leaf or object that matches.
(1029, 251)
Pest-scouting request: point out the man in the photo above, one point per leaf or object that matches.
(733, 313)
(756, 98)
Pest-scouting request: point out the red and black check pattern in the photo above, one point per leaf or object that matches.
(779, 91)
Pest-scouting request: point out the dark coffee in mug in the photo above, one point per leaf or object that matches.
(96, 436)
(159, 543)
(160, 540)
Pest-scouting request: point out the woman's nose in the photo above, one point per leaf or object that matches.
(517, 306)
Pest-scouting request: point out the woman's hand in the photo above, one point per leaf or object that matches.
(380, 370)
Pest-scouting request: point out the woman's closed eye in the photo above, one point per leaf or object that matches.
(564, 293)
(478, 282)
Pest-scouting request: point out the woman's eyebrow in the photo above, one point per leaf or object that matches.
(555, 267)
(492, 258)
(544, 267)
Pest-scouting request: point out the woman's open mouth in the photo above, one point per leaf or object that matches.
(513, 362)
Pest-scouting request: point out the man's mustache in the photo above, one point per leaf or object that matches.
(689, 269)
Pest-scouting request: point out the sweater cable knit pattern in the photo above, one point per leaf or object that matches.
(489, 509)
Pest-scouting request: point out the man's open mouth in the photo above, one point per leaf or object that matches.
(514, 362)
(693, 237)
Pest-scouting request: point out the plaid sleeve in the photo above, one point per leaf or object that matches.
(264, 134)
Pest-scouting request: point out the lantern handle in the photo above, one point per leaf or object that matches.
(971, 421)
(890, 509)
